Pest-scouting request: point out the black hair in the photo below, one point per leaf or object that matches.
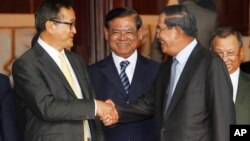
(179, 15)
(224, 32)
(122, 12)
(48, 10)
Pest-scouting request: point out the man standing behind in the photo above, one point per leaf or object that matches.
(8, 130)
(52, 83)
(192, 94)
(228, 44)
(124, 75)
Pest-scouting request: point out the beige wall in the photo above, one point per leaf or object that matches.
(16, 32)
(246, 41)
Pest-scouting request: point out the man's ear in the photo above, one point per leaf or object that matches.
(106, 33)
(49, 26)
(140, 33)
(178, 32)
(241, 54)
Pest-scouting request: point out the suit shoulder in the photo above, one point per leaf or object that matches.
(96, 66)
(149, 61)
(4, 84)
(3, 77)
(245, 76)
(73, 55)
(26, 54)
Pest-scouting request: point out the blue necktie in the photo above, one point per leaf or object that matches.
(123, 75)
(171, 83)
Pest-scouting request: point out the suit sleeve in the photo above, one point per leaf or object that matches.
(219, 93)
(32, 87)
(8, 128)
(9, 117)
(140, 110)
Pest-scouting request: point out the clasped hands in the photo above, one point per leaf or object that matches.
(107, 112)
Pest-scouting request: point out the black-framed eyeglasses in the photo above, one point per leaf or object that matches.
(71, 24)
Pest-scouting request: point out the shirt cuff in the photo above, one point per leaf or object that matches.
(95, 107)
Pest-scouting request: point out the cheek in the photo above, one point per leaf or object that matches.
(164, 36)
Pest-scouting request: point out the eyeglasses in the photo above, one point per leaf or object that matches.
(158, 30)
(71, 24)
(229, 55)
(130, 33)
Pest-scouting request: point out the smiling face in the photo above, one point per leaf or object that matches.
(229, 50)
(123, 36)
(167, 36)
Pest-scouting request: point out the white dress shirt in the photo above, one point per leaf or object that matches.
(182, 58)
(235, 81)
(130, 68)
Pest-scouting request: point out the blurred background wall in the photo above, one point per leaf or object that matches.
(16, 24)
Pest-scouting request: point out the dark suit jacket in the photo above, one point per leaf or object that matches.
(243, 99)
(107, 85)
(52, 109)
(201, 107)
(245, 67)
(8, 130)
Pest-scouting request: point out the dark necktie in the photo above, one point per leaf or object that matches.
(171, 83)
(123, 75)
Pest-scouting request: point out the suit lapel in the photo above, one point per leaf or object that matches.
(110, 72)
(81, 78)
(241, 92)
(138, 77)
(50, 66)
(165, 83)
(186, 74)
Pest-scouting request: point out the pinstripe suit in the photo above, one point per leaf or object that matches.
(107, 85)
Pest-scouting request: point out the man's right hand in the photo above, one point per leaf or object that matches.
(107, 112)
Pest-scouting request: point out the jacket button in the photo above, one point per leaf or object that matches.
(127, 102)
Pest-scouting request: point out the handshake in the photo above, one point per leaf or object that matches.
(107, 112)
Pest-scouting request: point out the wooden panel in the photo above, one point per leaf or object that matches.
(82, 42)
(149, 6)
(18, 6)
(234, 13)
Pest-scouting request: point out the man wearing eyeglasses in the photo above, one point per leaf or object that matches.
(228, 44)
(52, 83)
(124, 75)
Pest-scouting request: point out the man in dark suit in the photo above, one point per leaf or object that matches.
(228, 44)
(8, 131)
(123, 33)
(53, 84)
(194, 100)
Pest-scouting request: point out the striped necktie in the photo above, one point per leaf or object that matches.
(123, 75)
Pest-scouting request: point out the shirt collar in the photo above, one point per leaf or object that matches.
(132, 59)
(52, 51)
(235, 75)
(184, 54)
